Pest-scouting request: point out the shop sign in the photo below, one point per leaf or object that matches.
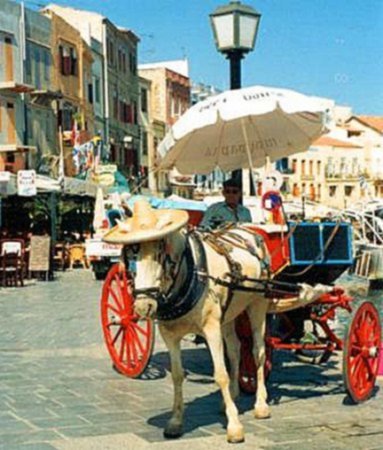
(104, 174)
(26, 183)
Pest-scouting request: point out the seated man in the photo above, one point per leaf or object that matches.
(229, 210)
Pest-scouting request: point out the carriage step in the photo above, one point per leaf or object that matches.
(363, 264)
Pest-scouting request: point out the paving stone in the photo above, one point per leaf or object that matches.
(58, 389)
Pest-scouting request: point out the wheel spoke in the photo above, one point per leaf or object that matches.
(117, 336)
(137, 340)
(117, 280)
(115, 298)
(122, 348)
(115, 310)
(140, 329)
(134, 349)
(128, 353)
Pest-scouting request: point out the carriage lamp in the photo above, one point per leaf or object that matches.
(235, 28)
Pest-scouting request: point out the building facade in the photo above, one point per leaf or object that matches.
(170, 98)
(368, 132)
(147, 155)
(27, 125)
(119, 87)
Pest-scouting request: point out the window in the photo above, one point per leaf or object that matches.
(47, 65)
(37, 68)
(97, 90)
(144, 100)
(134, 112)
(319, 166)
(122, 111)
(311, 167)
(110, 48)
(332, 191)
(303, 167)
(65, 60)
(28, 67)
(90, 93)
(115, 104)
(348, 190)
(144, 143)
(73, 62)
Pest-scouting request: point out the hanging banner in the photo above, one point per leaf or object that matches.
(26, 183)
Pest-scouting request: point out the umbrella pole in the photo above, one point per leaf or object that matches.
(249, 156)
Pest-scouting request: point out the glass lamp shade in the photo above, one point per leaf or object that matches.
(235, 27)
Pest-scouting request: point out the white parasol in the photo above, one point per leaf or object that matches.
(241, 129)
(99, 210)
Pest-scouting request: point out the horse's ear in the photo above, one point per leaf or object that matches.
(164, 220)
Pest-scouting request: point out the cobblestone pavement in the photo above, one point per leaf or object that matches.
(59, 391)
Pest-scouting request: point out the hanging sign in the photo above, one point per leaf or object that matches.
(26, 183)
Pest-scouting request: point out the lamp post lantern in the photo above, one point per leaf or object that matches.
(235, 28)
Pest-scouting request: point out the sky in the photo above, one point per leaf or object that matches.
(328, 48)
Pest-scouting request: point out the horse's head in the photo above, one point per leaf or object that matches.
(144, 238)
(148, 273)
(156, 267)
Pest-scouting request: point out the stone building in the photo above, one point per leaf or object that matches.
(117, 86)
(170, 98)
(27, 123)
(368, 132)
(328, 172)
(72, 78)
(147, 155)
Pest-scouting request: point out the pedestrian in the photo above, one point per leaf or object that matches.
(230, 210)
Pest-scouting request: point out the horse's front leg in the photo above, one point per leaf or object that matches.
(257, 316)
(173, 428)
(233, 351)
(213, 335)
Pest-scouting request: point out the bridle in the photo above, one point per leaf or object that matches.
(156, 293)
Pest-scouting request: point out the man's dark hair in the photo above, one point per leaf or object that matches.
(232, 182)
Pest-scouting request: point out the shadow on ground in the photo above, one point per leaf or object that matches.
(290, 381)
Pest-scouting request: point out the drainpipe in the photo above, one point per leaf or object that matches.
(105, 87)
(22, 72)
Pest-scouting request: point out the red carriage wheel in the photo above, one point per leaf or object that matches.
(361, 352)
(129, 339)
(247, 367)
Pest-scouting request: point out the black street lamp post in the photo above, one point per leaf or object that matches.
(235, 28)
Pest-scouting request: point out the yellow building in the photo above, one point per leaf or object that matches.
(329, 172)
(72, 77)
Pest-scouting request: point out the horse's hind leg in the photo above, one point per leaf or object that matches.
(173, 428)
(257, 316)
(233, 350)
(212, 331)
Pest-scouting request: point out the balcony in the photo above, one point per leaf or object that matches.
(14, 87)
(307, 177)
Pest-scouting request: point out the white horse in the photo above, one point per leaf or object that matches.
(165, 275)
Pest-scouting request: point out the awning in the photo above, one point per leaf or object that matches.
(44, 184)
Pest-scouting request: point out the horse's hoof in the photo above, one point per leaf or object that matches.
(262, 412)
(173, 431)
(236, 436)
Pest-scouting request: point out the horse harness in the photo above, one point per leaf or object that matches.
(174, 304)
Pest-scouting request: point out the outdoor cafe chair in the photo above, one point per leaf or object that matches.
(12, 262)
